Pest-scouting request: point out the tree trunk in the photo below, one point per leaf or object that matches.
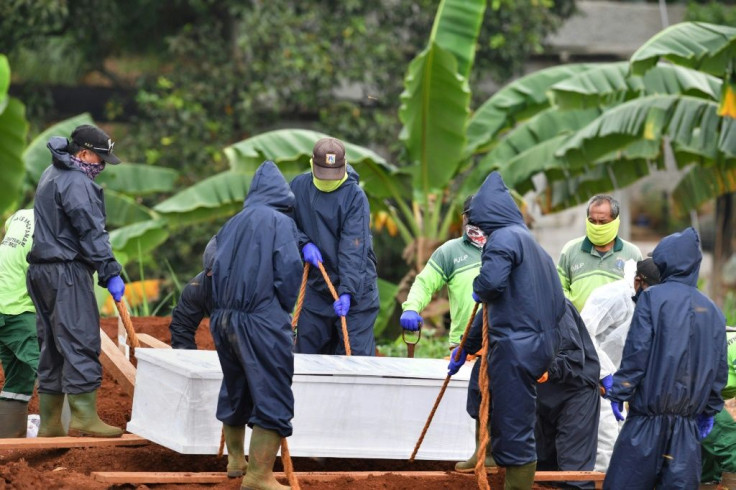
(723, 248)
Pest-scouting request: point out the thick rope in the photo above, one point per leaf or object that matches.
(300, 298)
(221, 449)
(444, 386)
(344, 322)
(480, 469)
(128, 324)
(288, 467)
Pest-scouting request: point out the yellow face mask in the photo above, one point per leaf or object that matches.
(602, 234)
(327, 185)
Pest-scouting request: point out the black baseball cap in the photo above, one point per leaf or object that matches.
(96, 140)
(648, 270)
(328, 159)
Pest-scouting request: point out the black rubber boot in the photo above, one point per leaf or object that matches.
(50, 406)
(13, 418)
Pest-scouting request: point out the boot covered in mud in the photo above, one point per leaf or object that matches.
(85, 421)
(520, 477)
(50, 406)
(235, 442)
(13, 418)
(264, 444)
(469, 465)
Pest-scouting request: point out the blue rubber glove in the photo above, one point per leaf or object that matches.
(454, 365)
(705, 425)
(617, 408)
(342, 305)
(607, 383)
(476, 298)
(411, 320)
(311, 254)
(116, 286)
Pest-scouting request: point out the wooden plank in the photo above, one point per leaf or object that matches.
(153, 477)
(69, 442)
(149, 341)
(569, 476)
(116, 364)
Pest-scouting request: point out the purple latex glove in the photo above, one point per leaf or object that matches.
(607, 383)
(454, 365)
(342, 305)
(311, 254)
(116, 286)
(705, 425)
(410, 320)
(617, 408)
(476, 298)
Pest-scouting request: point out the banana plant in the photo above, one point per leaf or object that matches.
(13, 131)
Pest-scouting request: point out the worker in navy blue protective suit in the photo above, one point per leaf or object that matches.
(568, 403)
(519, 281)
(255, 283)
(672, 372)
(333, 218)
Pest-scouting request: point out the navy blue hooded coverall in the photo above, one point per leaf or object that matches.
(519, 281)
(338, 223)
(70, 243)
(255, 283)
(673, 369)
(569, 402)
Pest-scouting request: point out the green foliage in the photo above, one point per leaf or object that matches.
(13, 130)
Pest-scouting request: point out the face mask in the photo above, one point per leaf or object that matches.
(91, 170)
(602, 234)
(475, 235)
(327, 185)
(635, 298)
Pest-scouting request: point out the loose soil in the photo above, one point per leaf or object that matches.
(70, 468)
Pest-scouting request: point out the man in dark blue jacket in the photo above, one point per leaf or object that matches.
(255, 283)
(70, 243)
(518, 280)
(672, 372)
(333, 218)
(569, 402)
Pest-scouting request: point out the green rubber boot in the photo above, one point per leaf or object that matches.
(235, 441)
(520, 477)
(13, 418)
(50, 406)
(469, 465)
(85, 421)
(264, 444)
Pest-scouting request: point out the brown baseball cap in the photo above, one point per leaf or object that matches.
(328, 159)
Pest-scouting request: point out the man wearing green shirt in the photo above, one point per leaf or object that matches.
(18, 340)
(718, 449)
(454, 264)
(598, 257)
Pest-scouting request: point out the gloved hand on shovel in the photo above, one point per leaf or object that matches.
(311, 254)
(607, 383)
(410, 320)
(116, 286)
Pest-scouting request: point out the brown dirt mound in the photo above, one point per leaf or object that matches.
(70, 468)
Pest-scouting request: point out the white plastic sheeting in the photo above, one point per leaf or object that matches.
(345, 407)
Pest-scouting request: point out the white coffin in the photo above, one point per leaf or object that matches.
(345, 407)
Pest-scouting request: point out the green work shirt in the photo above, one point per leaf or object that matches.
(582, 268)
(16, 243)
(729, 391)
(454, 264)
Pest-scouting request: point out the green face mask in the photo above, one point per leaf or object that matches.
(602, 234)
(327, 185)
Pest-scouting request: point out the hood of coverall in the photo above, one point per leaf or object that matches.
(269, 188)
(678, 257)
(493, 207)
